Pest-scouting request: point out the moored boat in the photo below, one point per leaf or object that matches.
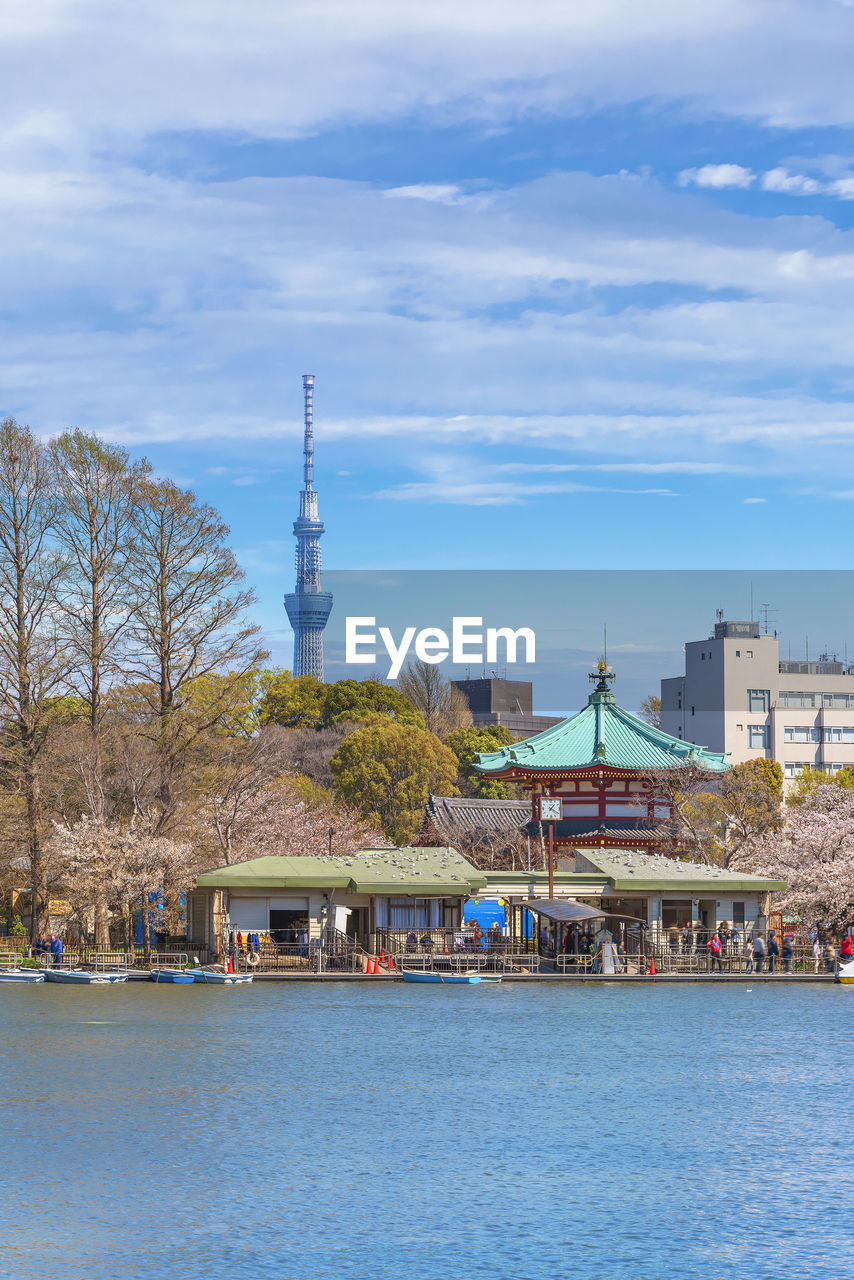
(172, 975)
(440, 979)
(11, 971)
(21, 975)
(216, 977)
(845, 973)
(84, 977)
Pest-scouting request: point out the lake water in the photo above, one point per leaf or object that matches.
(336, 1132)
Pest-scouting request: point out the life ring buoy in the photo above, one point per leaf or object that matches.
(253, 960)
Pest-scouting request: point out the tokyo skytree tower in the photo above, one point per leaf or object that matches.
(308, 607)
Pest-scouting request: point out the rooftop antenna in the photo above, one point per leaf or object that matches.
(605, 642)
(765, 610)
(751, 601)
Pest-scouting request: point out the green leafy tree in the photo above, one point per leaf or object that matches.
(302, 702)
(467, 745)
(349, 700)
(295, 702)
(388, 770)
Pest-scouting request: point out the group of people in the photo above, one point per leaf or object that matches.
(768, 956)
(51, 945)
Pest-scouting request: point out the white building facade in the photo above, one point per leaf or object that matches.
(738, 696)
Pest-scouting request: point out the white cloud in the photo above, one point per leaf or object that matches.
(791, 183)
(158, 310)
(754, 501)
(717, 175)
(496, 494)
(289, 69)
(437, 193)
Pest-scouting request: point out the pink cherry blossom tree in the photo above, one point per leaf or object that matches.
(279, 820)
(813, 851)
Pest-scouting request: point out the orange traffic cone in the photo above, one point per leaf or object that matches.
(652, 966)
(446, 944)
(382, 956)
(376, 967)
(390, 960)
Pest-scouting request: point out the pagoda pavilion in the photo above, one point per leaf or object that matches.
(602, 772)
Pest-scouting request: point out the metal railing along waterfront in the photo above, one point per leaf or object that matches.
(336, 953)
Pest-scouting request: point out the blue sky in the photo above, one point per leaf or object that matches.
(575, 280)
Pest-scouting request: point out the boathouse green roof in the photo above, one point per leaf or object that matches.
(438, 871)
(601, 734)
(621, 871)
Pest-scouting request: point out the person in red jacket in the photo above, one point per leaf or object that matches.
(846, 949)
(715, 953)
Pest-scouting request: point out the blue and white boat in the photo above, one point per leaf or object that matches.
(85, 977)
(217, 978)
(440, 979)
(21, 975)
(172, 975)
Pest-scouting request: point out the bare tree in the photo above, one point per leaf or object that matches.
(189, 623)
(95, 488)
(240, 770)
(33, 658)
(441, 704)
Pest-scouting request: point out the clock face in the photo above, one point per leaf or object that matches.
(550, 810)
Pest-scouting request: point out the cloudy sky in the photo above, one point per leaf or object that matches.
(575, 278)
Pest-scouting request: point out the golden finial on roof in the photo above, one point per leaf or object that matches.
(603, 675)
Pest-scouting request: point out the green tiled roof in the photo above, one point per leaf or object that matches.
(627, 869)
(605, 734)
(440, 871)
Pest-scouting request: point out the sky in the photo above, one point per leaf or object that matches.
(574, 279)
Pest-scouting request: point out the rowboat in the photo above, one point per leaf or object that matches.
(845, 973)
(172, 975)
(443, 979)
(21, 975)
(84, 977)
(216, 977)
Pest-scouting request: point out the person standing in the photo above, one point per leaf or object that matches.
(773, 950)
(788, 952)
(846, 949)
(748, 953)
(715, 953)
(56, 948)
(758, 952)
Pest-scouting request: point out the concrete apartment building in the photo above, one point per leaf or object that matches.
(738, 696)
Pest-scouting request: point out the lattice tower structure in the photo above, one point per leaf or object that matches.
(309, 606)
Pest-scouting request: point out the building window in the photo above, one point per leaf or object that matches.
(798, 699)
(758, 699)
(702, 657)
(750, 653)
(739, 728)
(738, 914)
(801, 733)
(839, 734)
(738, 653)
(692, 711)
(758, 736)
